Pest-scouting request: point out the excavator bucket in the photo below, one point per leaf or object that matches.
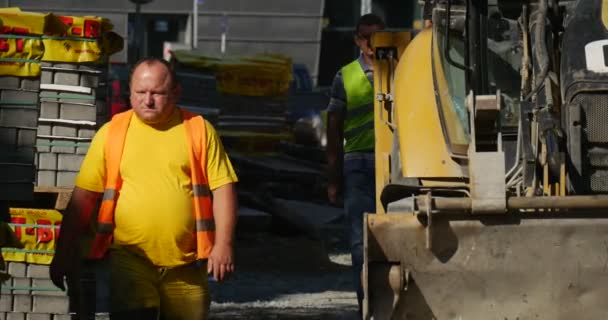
(514, 266)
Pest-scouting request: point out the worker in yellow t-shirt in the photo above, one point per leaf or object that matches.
(154, 267)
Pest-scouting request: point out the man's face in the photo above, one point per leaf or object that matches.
(363, 38)
(153, 95)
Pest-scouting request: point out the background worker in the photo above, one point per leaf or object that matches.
(427, 13)
(155, 198)
(350, 140)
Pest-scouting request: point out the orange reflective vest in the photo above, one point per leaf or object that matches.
(203, 210)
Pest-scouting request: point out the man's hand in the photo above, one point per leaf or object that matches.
(76, 219)
(61, 267)
(221, 261)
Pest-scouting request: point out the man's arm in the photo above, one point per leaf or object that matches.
(221, 259)
(335, 153)
(76, 219)
(335, 137)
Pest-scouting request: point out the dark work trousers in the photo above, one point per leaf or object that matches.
(359, 198)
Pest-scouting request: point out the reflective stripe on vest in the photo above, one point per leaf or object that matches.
(201, 195)
(359, 122)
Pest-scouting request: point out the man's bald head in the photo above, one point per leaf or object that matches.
(152, 60)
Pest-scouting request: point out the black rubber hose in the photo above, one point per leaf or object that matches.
(540, 46)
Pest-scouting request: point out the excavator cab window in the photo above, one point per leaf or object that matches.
(448, 75)
(450, 63)
(504, 63)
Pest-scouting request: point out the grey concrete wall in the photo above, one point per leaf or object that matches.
(95, 7)
(290, 27)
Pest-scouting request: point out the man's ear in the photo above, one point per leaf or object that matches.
(357, 41)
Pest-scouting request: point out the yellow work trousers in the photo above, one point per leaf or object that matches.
(140, 290)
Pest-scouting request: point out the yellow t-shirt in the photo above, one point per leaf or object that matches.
(154, 215)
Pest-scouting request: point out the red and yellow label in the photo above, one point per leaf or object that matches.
(37, 230)
(85, 27)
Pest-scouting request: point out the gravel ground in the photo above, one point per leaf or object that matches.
(286, 277)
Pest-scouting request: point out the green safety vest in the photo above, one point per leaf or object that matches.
(359, 122)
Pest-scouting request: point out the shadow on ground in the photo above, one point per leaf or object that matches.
(284, 314)
(270, 267)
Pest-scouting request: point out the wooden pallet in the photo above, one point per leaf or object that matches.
(47, 198)
(62, 195)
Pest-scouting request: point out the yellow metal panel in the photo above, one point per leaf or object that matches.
(423, 149)
(605, 13)
(383, 133)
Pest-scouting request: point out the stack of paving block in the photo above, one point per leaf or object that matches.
(253, 114)
(32, 295)
(29, 293)
(18, 125)
(52, 100)
(72, 53)
(254, 93)
(251, 90)
(253, 124)
(198, 94)
(253, 101)
(22, 50)
(73, 96)
(73, 105)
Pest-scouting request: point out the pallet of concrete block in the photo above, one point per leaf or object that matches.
(254, 75)
(73, 105)
(255, 114)
(75, 91)
(21, 36)
(252, 88)
(18, 125)
(30, 294)
(73, 96)
(58, 161)
(73, 80)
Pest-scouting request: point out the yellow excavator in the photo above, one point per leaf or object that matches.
(492, 164)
